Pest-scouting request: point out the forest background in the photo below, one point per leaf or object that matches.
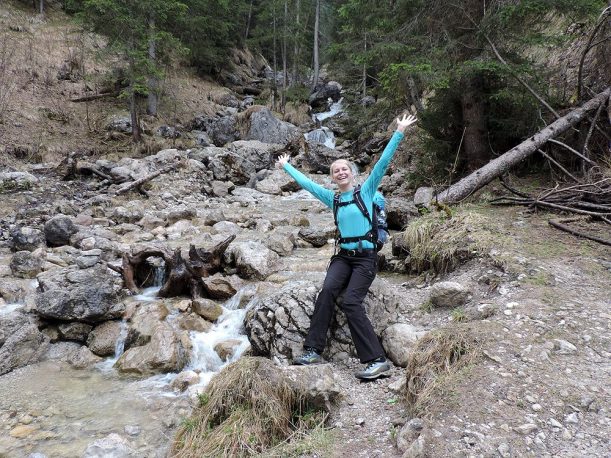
(468, 68)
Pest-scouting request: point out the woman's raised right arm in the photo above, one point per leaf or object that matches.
(322, 194)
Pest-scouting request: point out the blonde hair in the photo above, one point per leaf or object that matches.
(352, 165)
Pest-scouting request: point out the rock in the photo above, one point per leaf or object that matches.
(193, 322)
(25, 264)
(230, 166)
(398, 341)
(266, 128)
(22, 431)
(277, 324)
(226, 348)
(318, 157)
(121, 124)
(276, 183)
(221, 188)
(207, 309)
(132, 214)
(21, 343)
(90, 295)
(526, 428)
(226, 227)
(167, 131)
(16, 181)
(184, 380)
(220, 287)
(260, 154)
(143, 323)
(423, 197)
(222, 130)
(449, 294)
(103, 338)
(83, 358)
(280, 243)
(132, 430)
(253, 259)
(112, 446)
(319, 384)
(167, 351)
(74, 331)
(409, 433)
(417, 449)
(562, 347)
(319, 98)
(317, 236)
(24, 238)
(399, 212)
(59, 229)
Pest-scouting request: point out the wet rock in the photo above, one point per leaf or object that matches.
(331, 90)
(184, 380)
(227, 348)
(222, 287)
(207, 308)
(25, 264)
(21, 343)
(398, 341)
(266, 128)
(74, 331)
(193, 322)
(253, 259)
(59, 229)
(449, 294)
(317, 236)
(90, 295)
(103, 338)
(112, 446)
(167, 351)
(24, 238)
(143, 323)
(83, 358)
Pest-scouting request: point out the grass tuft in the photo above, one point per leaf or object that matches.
(438, 355)
(441, 243)
(248, 408)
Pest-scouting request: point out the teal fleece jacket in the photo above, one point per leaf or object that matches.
(351, 222)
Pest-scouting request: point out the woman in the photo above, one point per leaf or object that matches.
(354, 267)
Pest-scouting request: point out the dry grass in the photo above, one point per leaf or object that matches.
(248, 408)
(438, 356)
(440, 243)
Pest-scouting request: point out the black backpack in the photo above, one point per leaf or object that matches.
(378, 234)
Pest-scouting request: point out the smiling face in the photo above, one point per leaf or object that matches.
(342, 174)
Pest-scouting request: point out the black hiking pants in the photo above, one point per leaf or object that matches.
(353, 272)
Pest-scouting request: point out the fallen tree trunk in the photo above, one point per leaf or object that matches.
(501, 164)
(134, 184)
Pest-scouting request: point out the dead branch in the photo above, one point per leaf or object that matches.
(501, 164)
(150, 176)
(585, 150)
(572, 150)
(589, 46)
(558, 225)
(89, 98)
(557, 164)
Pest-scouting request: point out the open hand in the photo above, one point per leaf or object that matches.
(405, 121)
(282, 159)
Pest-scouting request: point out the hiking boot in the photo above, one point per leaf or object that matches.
(310, 356)
(373, 370)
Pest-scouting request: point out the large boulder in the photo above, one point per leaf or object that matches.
(324, 92)
(103, 338)
(276, 183)
(21, 343)
(318, 157)
(449, 294)
(261, 155)
(253, 259)
(25, 238)
(25, 264)
(319, 384)
(266, 128)
(168, 351)
(277, 325)
(16, 181)
(400, 212)
(59, 229)
(398, 340)
(88, 295)
(230, 166)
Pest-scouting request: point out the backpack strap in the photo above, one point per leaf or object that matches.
(357, 199)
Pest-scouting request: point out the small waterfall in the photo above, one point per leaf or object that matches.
(159, 277)
(229, 326)
(20, 300)
(323, 135)
(334, 109)
(120, 343)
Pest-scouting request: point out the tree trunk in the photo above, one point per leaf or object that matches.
(501, 164)
(153, 80)
(285, 37)
(133, 112)
(365, 69)
(275, 81)
(295, 75)
(474, 121)
(248, 21)
(42, 6)
(316, 62)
